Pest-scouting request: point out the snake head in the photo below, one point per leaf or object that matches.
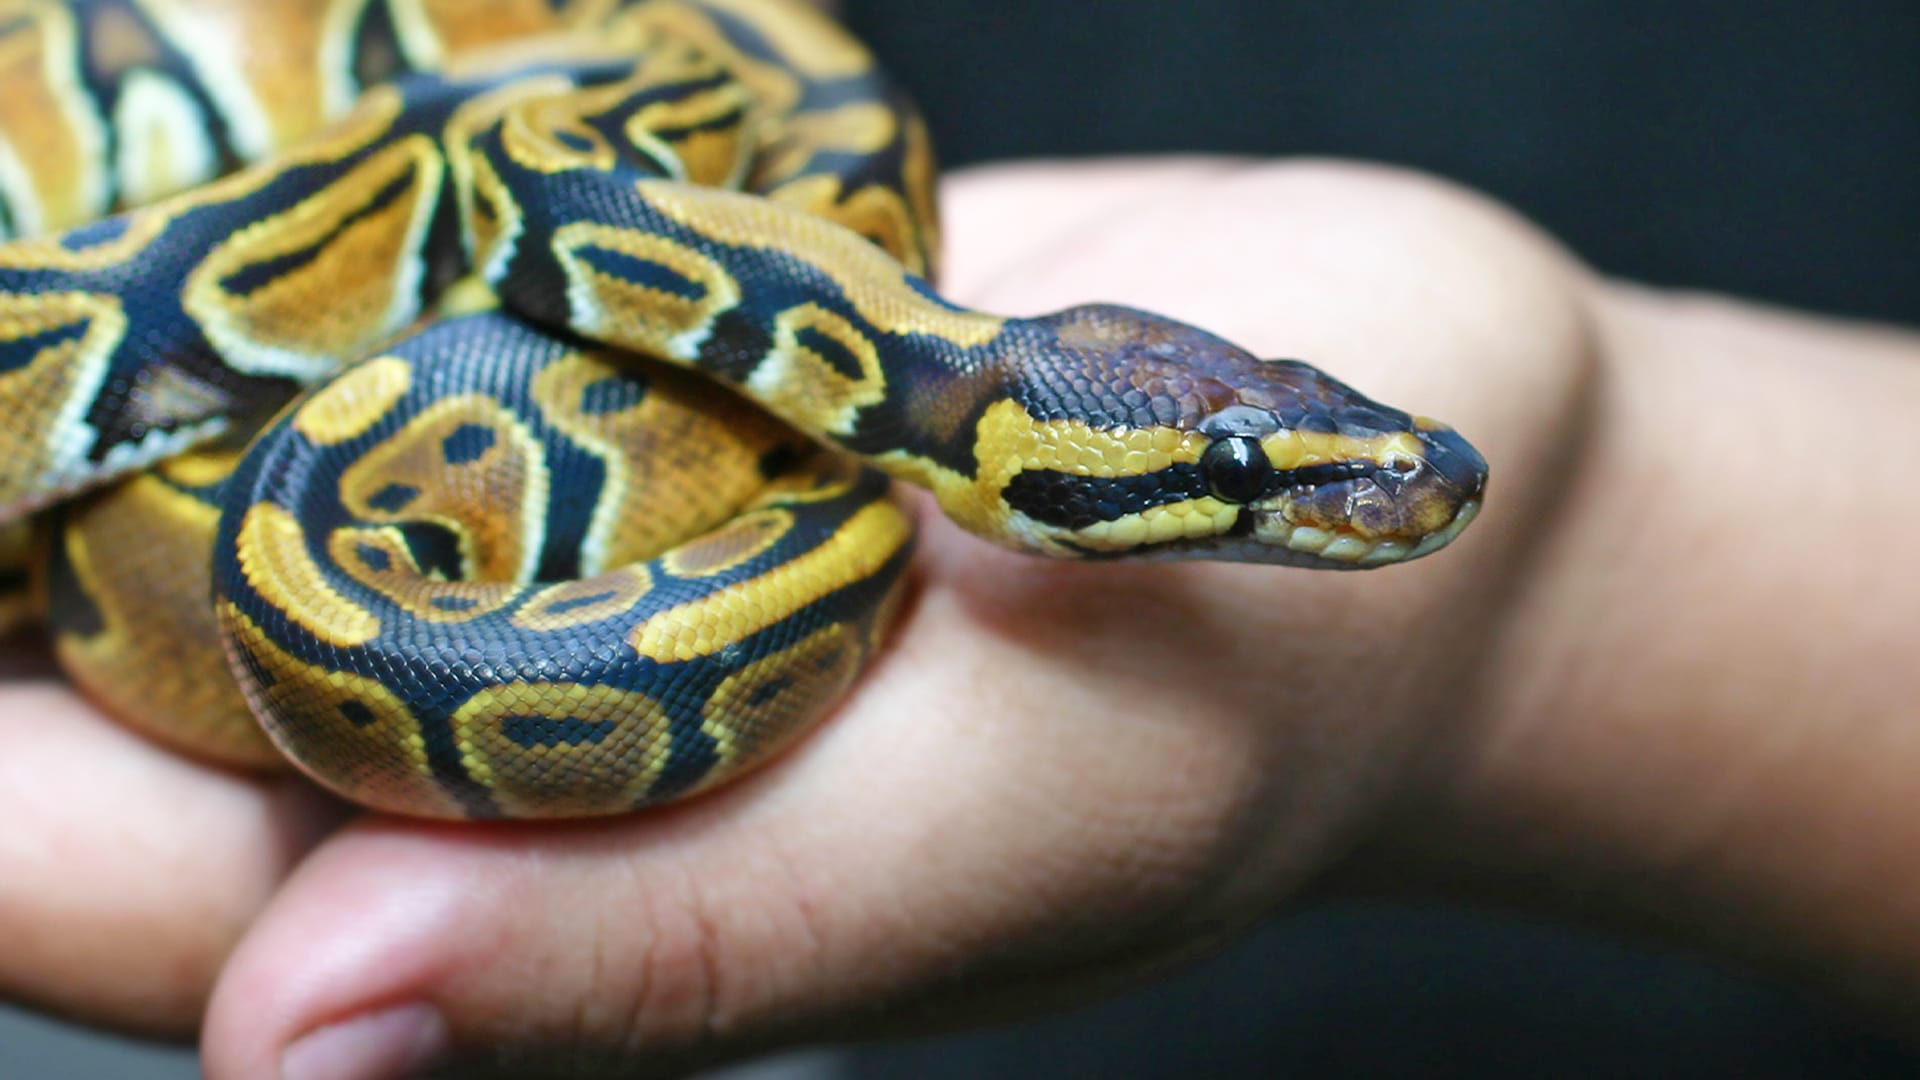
(1149, 438)
(1323, 476)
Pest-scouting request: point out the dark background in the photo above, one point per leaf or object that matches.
(1764, 149)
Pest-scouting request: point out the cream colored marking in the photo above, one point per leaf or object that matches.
(680, 459)
(278, 69)
(172, 397)
(164, 145)
(370, 120)
(1303, 449)
(496, 504)
(604, 777)
(490, 253)
(735, 543)
(812, 674)
(381, 764)
(490, 243)
(705, 626)
(799, 384)
(365, 281)
(530, 134)
(45, 451)
(276, 563)
(622, 312)
(872, 280)
(405, 586)
(622, 588)
(355, 400)
(53, 157)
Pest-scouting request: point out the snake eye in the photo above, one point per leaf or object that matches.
(1237, 469)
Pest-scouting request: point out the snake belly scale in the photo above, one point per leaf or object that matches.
(498, 401)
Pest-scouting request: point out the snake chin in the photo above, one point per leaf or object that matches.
(1340, 548)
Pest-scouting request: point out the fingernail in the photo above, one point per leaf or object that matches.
(391, 1044)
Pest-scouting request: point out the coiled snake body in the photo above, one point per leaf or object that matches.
(613, 316)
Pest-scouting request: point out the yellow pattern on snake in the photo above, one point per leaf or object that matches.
(609, 321)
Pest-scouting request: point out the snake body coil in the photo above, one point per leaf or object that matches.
(524, 548)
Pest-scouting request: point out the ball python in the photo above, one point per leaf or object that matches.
(499, 400)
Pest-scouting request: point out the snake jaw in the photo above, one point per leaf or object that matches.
(1371, 512)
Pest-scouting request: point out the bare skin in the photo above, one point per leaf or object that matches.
(1661, 683)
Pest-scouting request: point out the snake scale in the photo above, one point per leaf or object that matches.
(498, 399)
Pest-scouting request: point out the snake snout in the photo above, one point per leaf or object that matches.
(1375, 510)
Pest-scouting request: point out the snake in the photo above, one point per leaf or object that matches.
(494, 408)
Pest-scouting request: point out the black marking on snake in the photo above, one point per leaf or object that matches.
(258, 275)
(935, 414)
(376, 50)
(393, 498)
(778, 460)
(614, 394)
(357, 714)
(443, 752)
(832, 350)
(641, 271)
(255, 668)
(1072, 501)
(483, 204)
(736, 346)
(614, 122)
(1321, 475)
(570, 604)
(467, 444)
(453, 604)
(435, 549)
(769, 690)
(19, 352)
(173, 63)
(373, 558)
(726, 121)
(95, 233)
(571, 509)
(535, 732)
(68, 602)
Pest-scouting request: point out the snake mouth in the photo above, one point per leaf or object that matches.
(1343, 549)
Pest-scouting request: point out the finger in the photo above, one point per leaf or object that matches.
(1058, 775)
(126, 872)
